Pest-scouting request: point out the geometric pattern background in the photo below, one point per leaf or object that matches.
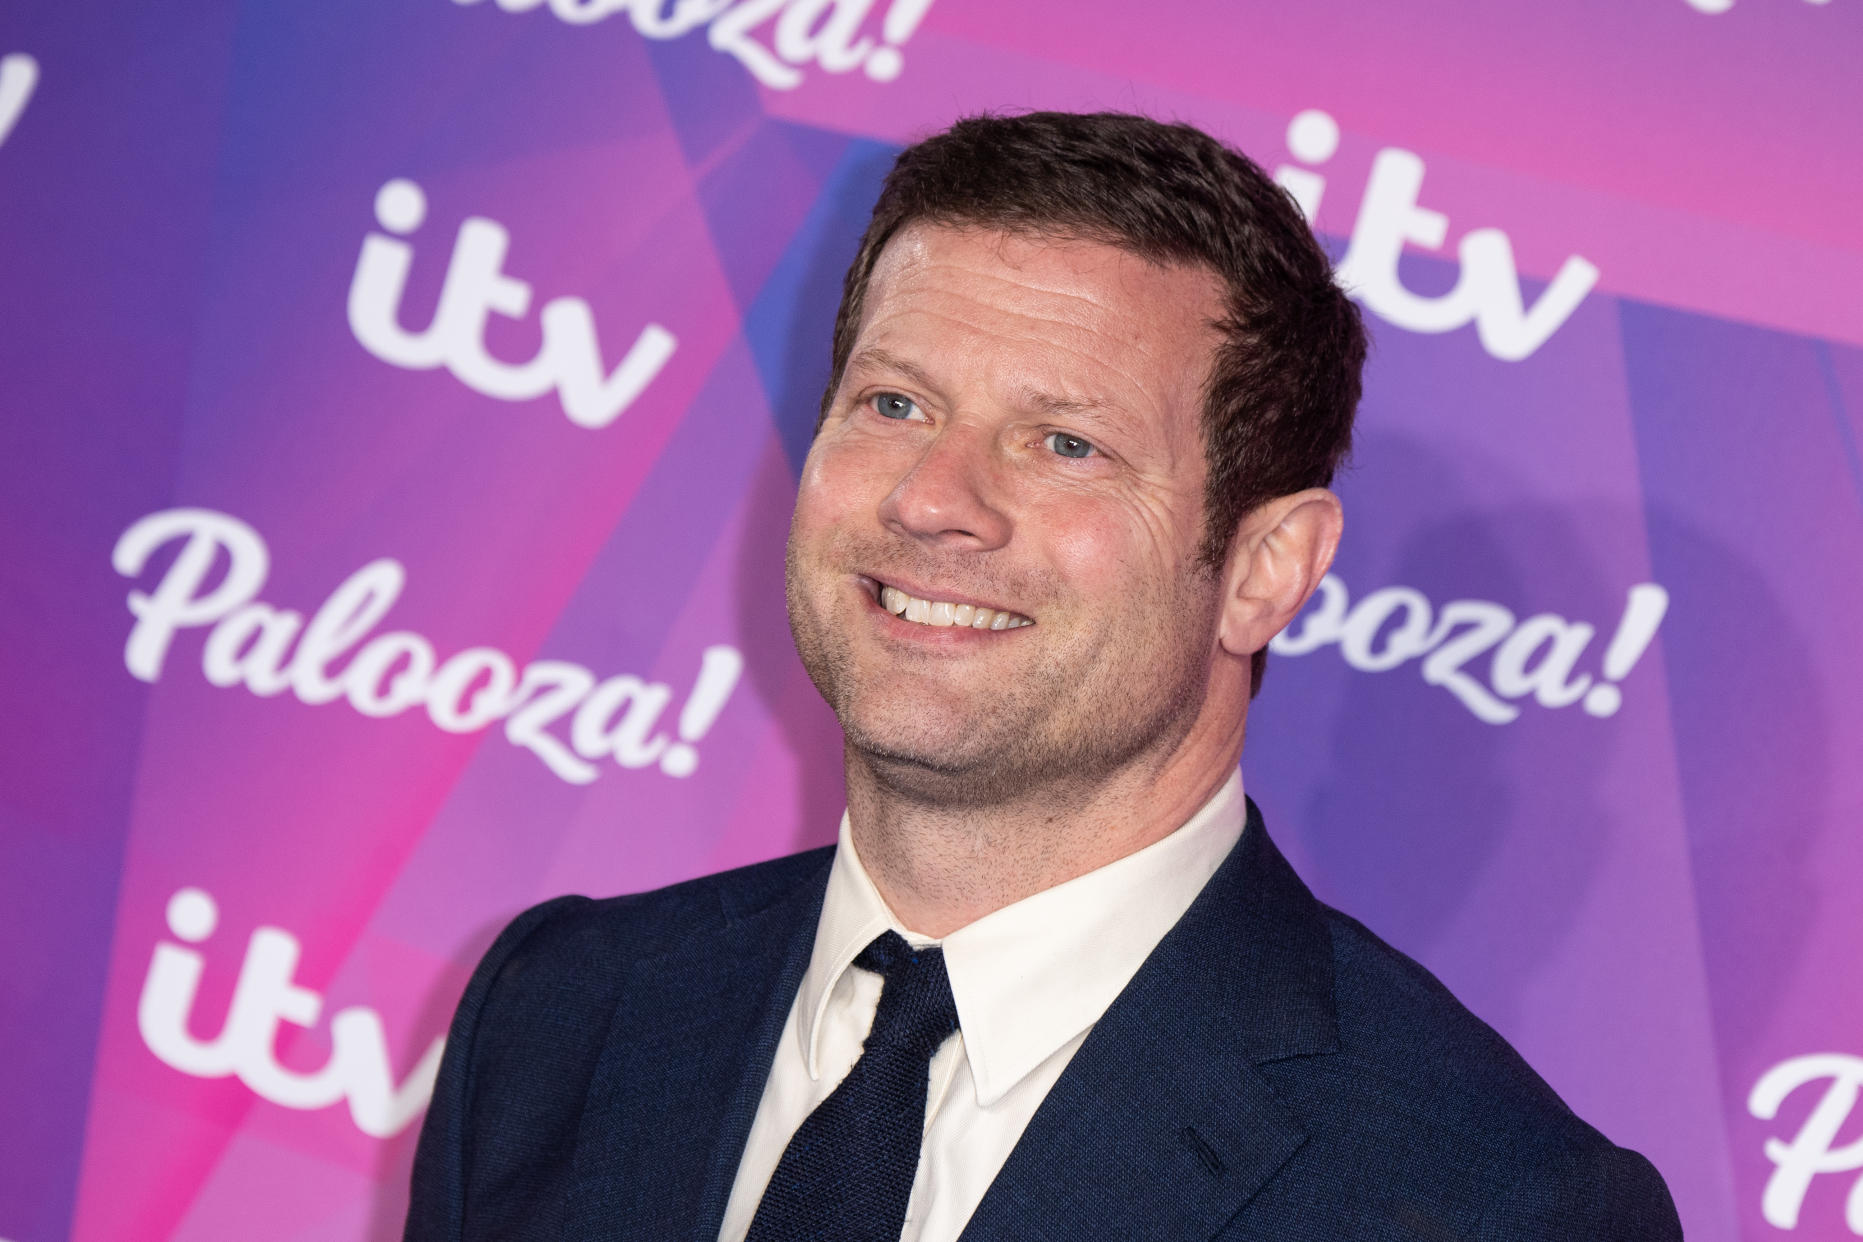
(403, 406)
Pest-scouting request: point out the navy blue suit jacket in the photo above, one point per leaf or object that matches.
(1273, 1071)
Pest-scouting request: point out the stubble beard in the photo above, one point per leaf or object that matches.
(1068, 724)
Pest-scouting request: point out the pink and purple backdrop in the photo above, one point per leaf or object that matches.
(490, 332)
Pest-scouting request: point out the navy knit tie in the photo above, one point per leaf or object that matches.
(847, 1174)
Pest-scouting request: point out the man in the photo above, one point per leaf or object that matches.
(1091, 379)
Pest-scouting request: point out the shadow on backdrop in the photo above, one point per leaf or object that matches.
(1426, 823)
(1414, 805)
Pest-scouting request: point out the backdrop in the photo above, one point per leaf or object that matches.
(403, 405)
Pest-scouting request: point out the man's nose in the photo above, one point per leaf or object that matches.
(948, 496)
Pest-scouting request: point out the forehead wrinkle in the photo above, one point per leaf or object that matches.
(1021, 294)
(1133, 271)
(914, 253)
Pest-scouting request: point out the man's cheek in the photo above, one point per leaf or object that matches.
(1091, 554)
(818, 530)
(829, 507)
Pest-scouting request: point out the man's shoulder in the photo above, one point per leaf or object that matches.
(584, 940)
(1422, 1092)
(1398, 1022)
(528, 1038)
(538, 1007)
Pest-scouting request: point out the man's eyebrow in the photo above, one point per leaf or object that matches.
(1055, 404)
(874, 358)
(1049, 404)
(1101, 413)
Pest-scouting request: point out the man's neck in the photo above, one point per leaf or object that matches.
(941, 866)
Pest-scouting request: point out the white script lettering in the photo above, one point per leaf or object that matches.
(264, 999)
(1533, 658)
(19, 73)
(569, 360)
(1722, 6)
(1810, 1152)
(270, 650)
(1487, 289)
(826, 33)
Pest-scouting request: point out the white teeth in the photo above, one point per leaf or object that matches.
(941, 613)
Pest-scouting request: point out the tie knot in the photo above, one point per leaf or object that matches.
(891, 954)
(917, 1011)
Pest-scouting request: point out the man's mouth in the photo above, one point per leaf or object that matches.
(938, 612)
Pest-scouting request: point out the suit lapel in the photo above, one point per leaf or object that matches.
(683, 1070)
(1162, 1126)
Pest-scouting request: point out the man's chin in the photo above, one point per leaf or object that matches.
(954, 767)
(954, 754)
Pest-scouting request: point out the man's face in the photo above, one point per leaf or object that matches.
(1016, 430)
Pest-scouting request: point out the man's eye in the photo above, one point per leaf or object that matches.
(892, 405)
(1069, 446)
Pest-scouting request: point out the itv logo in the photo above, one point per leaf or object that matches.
(266, 999)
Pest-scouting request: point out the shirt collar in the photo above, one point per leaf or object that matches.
(1030, 977)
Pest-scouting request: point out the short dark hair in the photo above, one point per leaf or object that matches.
(1279, 400)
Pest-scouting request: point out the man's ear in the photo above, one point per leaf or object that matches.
(1281, 551)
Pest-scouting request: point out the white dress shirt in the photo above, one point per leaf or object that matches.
(1030, 981)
